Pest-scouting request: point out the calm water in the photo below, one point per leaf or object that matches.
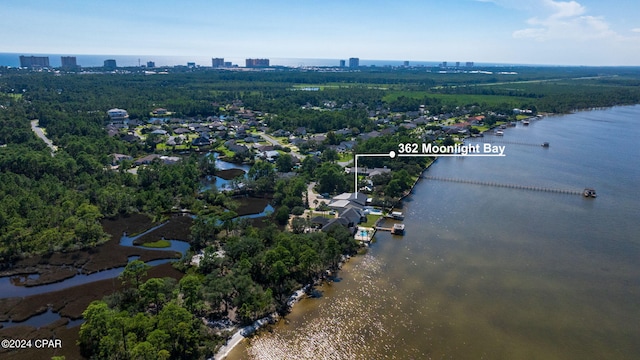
(495, 273)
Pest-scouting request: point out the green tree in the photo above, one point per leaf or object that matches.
(133, 273)
(298, 225)
(331, 179)
(157, 292)
(192, 295)
(284, 163)
(282, 215)
(97, 318)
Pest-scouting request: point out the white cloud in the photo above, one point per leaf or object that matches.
(564, 9)
(636, 30)
(566, 20)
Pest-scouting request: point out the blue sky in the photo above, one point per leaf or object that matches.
(583, 32)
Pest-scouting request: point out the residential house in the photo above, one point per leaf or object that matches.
(369, 135)
(118, 158)
(270, 156)
(319, 138)
(146, 160)
(169, 160)
(336, 222)
(263, 148)
(201, 141)
(159, 132)
(159, 112)
(130, 138)
(297, 141)
(344, 132)
(281, 133)
(117, 115)
(409, 126)
(389, 131)
(181, 130)
(422, 120)
(232, 146)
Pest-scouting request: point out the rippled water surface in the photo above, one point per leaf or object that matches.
(495, 273)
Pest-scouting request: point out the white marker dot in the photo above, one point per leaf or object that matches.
(392, 154)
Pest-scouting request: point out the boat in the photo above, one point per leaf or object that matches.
(589, 192)
(499, 133)
(525, 122)
(397, 215)
(398, 229)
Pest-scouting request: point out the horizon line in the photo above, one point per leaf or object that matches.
(450, 64)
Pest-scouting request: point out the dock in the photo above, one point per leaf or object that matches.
(396, 229)
(511, 186)
(499, 141)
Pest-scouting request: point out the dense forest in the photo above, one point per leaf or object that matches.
(76, 189)
(54, 201)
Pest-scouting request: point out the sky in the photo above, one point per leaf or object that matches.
(545, 32)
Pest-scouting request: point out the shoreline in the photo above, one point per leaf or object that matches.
(238, 336)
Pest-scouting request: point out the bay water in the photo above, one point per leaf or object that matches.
(490, 272)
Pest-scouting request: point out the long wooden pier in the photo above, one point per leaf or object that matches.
(509, 186)
(499, 141)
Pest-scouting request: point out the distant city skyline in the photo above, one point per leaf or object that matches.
(544, 32)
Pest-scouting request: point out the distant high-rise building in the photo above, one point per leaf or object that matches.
(110, 64)
(252, 63)
(469, 64)
(191, 65)
(228, 64)
(68, 62)
(217, 62)
(457, 64)
(354, 62)
(151, 64)
(34, 61)
(444, 64)
(342, 63)
(406, 63)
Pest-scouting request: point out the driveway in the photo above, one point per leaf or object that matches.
(275, 142)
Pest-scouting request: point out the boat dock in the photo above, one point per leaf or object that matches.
(396, 229)
(500, 141)
(511, 186)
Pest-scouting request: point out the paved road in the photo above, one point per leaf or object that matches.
(40, 133)
(226, 349)
(275, 141)
(312, 196)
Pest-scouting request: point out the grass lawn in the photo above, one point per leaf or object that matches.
(347, 156)
(371, 220)
(482, 128)
(224, 151)
(158, 244)
(163, 146)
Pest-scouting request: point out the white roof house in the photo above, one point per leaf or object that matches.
(117, 114)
